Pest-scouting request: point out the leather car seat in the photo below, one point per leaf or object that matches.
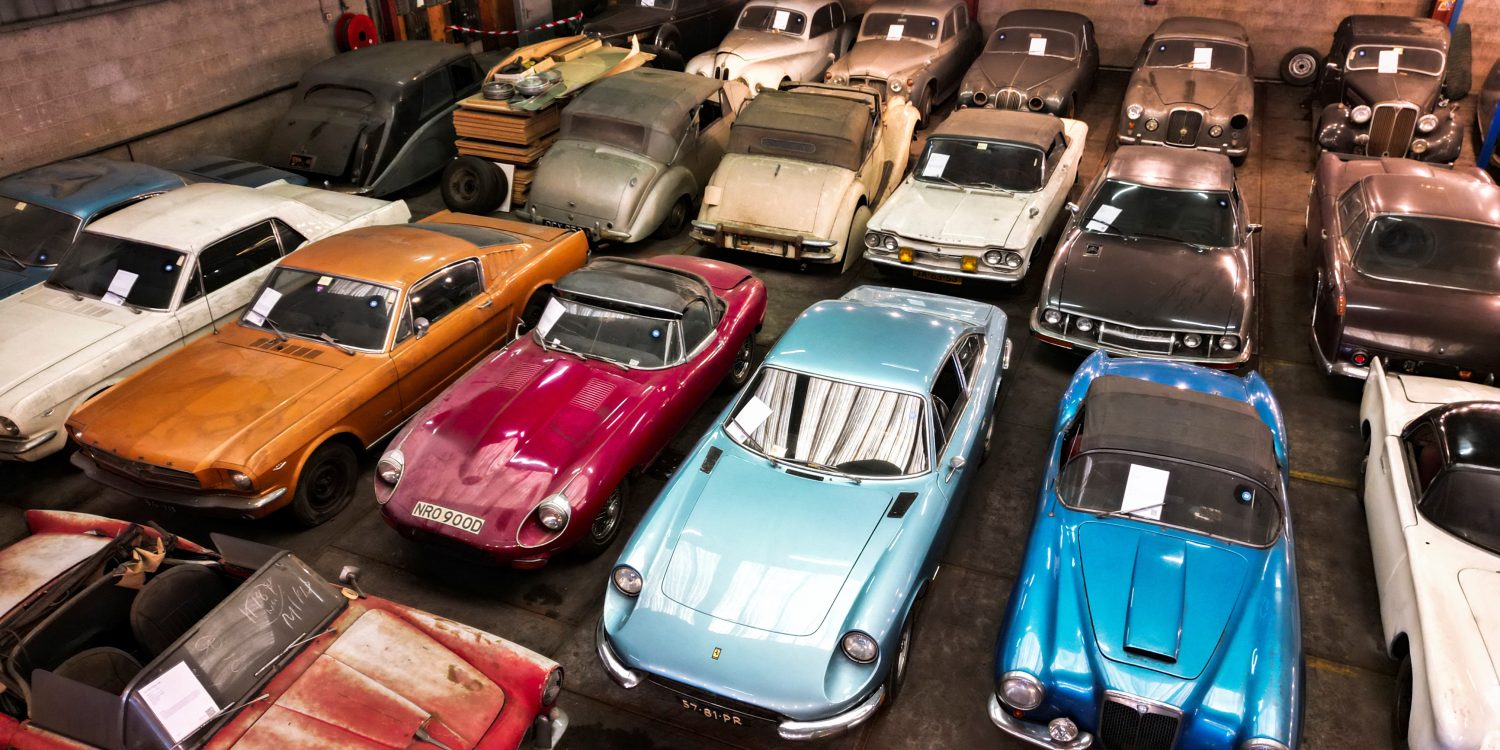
(172, 603)
(106, 668)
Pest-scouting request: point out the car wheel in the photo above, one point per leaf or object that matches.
(897, 676)
(472, 185)
(989, 435)
(854, 245)
(606, 524)
(743, 365)
(1401, 715)
(924, 113)
(676, 219)
(1300, 66)
(325, 485)
(1071, 111)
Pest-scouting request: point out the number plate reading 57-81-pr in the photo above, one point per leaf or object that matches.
(709, 712)
(460, 521)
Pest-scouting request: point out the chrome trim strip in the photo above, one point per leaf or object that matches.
(812, 730)
(1034, 734)
(624, 676)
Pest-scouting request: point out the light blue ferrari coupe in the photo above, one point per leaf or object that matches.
(773, 581)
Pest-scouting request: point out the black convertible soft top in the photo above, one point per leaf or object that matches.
(636, 284)
(1121, 413)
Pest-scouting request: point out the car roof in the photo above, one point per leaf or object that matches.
(190, 218)
(1045, 18)
(905, 7)
(1177, 168)
(84, 187)
(385, 64)
(1412, 187)
(658, 99)
(868, 343)
(1002, 125)
(401, 254)
(637, 284)
(1131, 414)
(1373, 29)
(805, 6)
(1197, 27)
(808, 110)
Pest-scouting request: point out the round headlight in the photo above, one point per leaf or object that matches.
(1021, 691)
(1035, 104)
(993, 257)
(554, 512)
(1261, 743)
(890, 243)
(1062, 730)
(1216, 131)
(1427, 123)
(553, 687)
(627, 580)
(1051, 317)
(1152, 124)
(1229, 343)
(872, 240)
(1012, 260)
(1134, 111)
(1085, 325)
(980, 98)
(240, 480)
(859, 647)
(390, 466)
(895, 87)
(1419, 146)
(9, 427)
(1192, 341)
(1360, 114)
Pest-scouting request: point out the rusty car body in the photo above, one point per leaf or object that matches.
(121, 636)
(915, 48)
(1037, 60)
(346, 339)
(1405, 259)
(1381, 90)
(777, 41)
(1191, 88)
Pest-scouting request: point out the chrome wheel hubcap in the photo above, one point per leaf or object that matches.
(604, 525)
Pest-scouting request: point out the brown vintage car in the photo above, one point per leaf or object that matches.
(348, 338)
(1407, 264)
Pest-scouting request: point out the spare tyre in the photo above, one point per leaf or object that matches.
(472, 185)
(1459, 77)
(1300, 66)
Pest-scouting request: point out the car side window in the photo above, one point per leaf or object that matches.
(1424, 455)
(465, 74)
(437, 93)
(1070, 440)
(822, 22)
(445, 291)
(697, 324)
(961, 15)
(836, 14)
(1352, 215)
(948, 398)
(709, 112)
(1055, 154)
(968, 356)
(948, 24)
(291, 239)
(232, 258)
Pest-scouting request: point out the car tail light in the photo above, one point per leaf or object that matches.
(1360, 358)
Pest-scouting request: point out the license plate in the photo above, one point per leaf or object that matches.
(755, 245)
(938, 277)
(713, 713)
(448, 517)
(301, 161)
(560, 225)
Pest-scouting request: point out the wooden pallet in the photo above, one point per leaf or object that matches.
(504, 125)
(517, 155)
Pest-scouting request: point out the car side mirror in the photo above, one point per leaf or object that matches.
(349, 576)
(1254, 228)
(1071, 207)
(954, 464)
(420, 326)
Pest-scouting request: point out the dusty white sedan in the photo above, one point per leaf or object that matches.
(142, 282)
(983, 197)
(1432, 500)
(779, 41)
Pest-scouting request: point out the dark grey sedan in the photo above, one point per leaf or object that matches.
(1036, 60)
(1191, 88)
(1159, 262)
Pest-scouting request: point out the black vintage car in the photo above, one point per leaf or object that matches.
(377, 119)
(674, 30)
(1383, 91)
(1037, 60)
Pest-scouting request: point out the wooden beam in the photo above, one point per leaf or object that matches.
(437, 23)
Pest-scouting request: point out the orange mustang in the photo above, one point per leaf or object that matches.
(348, 338)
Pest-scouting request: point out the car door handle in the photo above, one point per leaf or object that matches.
(1324, 233)
(486, 304)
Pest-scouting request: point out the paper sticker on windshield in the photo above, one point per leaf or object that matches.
(1203, 57)
(21, 206)
(893, 32)
(1038, 46)
(1103, 219)
(1390, 60)
(119, 287)
(263, 306)
(935, 165)
(550, 316)
(179, 701)
(1145, 492)
(324, 282)
(648, 3)
(780, 20)
(751, 416)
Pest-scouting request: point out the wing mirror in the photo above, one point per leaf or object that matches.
(1071, 207)
(954, 464)
(1254, 228)
(349, 576)
(420, 326)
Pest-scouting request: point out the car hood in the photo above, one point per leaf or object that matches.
(1153, 283)
(1021, 71)
(1156, 600)
(627, 19)
(780, 193)
(946, 215)
(1479, 587)
(324, 135)
(768, 550)
(880, 58)
(379, 684)
(741, 47)
(1206, 88)
(587, 179)
(1374, 87)
(1427, 322)
(14, 281)
(43, 329)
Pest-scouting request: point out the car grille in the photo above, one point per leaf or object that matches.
(1391, 129)
(1010, 99)
(721, 72)
(1128, 723)
(714, 699)
(1182, 127)
(875, 83)
(1136, 339)
(146, 472)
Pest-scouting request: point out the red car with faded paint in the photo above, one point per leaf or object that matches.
(530, 452)
(119, 636)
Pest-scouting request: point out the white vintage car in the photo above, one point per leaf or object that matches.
(983, 197)
(1432, 500)
(779, 42)
(805, 169)
(142, 282)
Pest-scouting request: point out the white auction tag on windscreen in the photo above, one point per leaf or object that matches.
(648, 3)
(550, 316)
(893, 32)
(935, 165)
(1038, 46)
(1390, 60)
(1103, 219)
(119, 287)
(780, 20)
(1203, 58)
(1145, 492)
(257, 315)
(179, 701)
(750, 417)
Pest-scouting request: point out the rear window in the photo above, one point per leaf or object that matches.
(339, 97)
(1428, 250)
(588, 127)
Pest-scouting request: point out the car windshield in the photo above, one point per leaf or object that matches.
(1194, 217)
(1191, 496)
(895, 27)
(1430, 250)
(1048, 42)
(1465, 502)
(320, 307)
(772, 18)
(1200, 55)
(1388, 58)
(992, 165)
(828, 424)
(340, 97)
(120, 272)
(611, 333)
(33, 235)
(583, 126)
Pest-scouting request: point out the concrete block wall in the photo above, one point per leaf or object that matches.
(76, 86)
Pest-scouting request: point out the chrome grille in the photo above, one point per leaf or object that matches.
(1010, 99)
(875, 83)
(1129, 723)
(146, 472)
(1182, 127)
(1391, 129)
(1136, 339)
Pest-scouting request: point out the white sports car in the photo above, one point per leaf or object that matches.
(142, 282)
(1432, 498)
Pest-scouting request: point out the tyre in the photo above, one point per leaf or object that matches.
(472, 185)
(532, 313)
(1459, 77)
(1300, 66)
(1401, 712)
(854, 245)
(743, 365)
(605, 526)
(924, 112)
(989, 436)
(675, 220)
(325, 485)
(897, 676)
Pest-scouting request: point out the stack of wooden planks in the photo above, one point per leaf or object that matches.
(495, 131)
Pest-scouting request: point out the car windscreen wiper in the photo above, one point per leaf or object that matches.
(12, 258)
(333, 342)
(274, 329)
(833, 471)
(556, 344)
(1121, 512)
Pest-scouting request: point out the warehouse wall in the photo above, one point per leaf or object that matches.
(78, 85)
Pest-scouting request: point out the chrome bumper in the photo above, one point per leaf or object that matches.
(985, 273)
(625, 676)
(1034, 734)
(1330, 368)
(813, 730)
(1128, 140)
(1069, 342)
(548, 729)
(14, 449)
(248, 506)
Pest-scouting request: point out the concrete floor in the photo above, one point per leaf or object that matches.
(943, 704)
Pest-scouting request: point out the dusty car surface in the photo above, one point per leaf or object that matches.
(1406, 259)
(346, 339)
(1191, 88)
(1159, 262)
(779, 42)
(377, 119)
(1381, 90)
(805, 169)
(1037, 60)
(915, 48)
(120, 637)
(570, 415)
(673, 30)
(633, 154)
(143, 281)
(982, 199)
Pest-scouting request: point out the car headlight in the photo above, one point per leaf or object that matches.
(1261, 743)
(1051, 317)
(1084, 325)
(1152, 124)
(993, 257)
(1012, 260)
(1062, 729)
(241, 480)
(553, 688)
(1216, 131)
(1021, 691)
(859, 647)
(554, 512)
(390, 466)
(1035, 104)
(1229, 343)
(874, 240)
(895, 87)
(1134, 111)
(627, 580)
(9, 427)
(1192, 341)
(1360, 114)
(890, 243)
(1427, 123)
(1419, 146)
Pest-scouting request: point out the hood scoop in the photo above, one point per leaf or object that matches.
(1153, 624)
(270, 343)
(87, 307)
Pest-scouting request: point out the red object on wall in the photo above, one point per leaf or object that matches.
(355, 30)
(1442, 10)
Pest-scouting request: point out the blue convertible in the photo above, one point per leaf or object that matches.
(773, 581)
(1157, 605)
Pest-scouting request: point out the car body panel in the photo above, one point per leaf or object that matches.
(1175, 98)
(763, 59)
(1489, 97)
(675, 30)
(934, 68)
(1014, 80)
